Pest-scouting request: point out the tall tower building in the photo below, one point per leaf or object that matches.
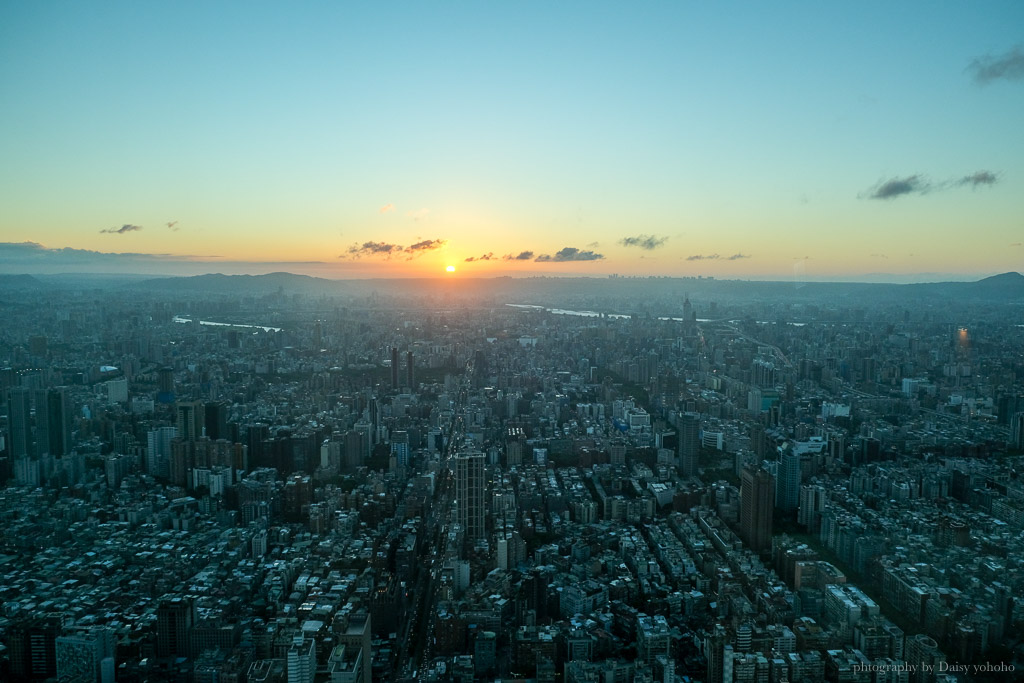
(165, 386)
(189, 420)
(757, 504)
(215, 419)
(469, 492)
(400, 447)
(394, 368)
(410, 377)
(689, 443)
(1017, 430)
(19, 423)
(31, 647)
(158, 451)
(174, 620)
(58, 420)
(787, 485)
(813, 500)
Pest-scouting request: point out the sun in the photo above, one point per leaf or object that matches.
(450, 269)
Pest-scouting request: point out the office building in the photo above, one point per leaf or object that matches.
(689, 444)
(757, 505)
(189, 420)
(787, 483)
(469, 493)
(174, 620)
(59, 420)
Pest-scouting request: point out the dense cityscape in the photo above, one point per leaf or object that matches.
(588, 485)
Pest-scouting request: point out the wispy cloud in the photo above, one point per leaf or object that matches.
(879, 256)
(717, 257)
(897, 187)
(389, 249)
(423, 247)
(1015, 244)
(919, 184)
(372, 249)
(570, 254)
(122, 230)
(387, 208)
(647, 242)
(979, 178)
(172, 225)
(489, 256)
(521, 256)
(1008, 66)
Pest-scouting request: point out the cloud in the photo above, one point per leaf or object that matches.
(702, 257)
(570, 254)
(489, 256)
(979, 178)
(736, 257)
(897, 187)
(521, 256)
(372, 249)
(879, 256)
(918, 184)
(122, 230)
(387, 208)
(419, 248)
(1016, 244)
(172, 225)
(1008, 66)
(647, 242)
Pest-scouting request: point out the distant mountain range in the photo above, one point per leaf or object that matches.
(1004, 288)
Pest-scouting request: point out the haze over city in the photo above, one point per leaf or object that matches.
(671, 342)
(782, 141)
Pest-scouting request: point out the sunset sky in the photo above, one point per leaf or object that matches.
(740, 140)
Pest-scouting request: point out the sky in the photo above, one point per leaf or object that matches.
(785, 140)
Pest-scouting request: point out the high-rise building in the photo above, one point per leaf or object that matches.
(410, 376)
(469, 493)
(1017, 430)
(787, 483)
(813, 498)
(165, 386)
(189, 420)
(302, 660)
(31, 647)
(215, 419)
(757, 504)
(86, 656)
(158, 451)
(689, 443)
(653, 638)
(59, 420)
(353, 632)
(924, 655)
(400, 447)
(19, 423)
(174, 620)
(394, 368)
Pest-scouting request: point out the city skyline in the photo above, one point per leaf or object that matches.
(790, 142)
